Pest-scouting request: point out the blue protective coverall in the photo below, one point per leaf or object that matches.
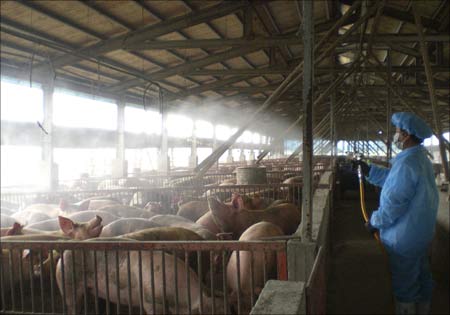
(406, 219)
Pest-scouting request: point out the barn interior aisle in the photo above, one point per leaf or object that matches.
(359, 277)
(358, 281)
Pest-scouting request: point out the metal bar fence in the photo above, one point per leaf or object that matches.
(180, 277)
(167, 197)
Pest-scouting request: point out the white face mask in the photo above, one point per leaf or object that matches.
(397, 142)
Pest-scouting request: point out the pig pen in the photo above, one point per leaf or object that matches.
(102, 273)
(168, 196)
(42, 292)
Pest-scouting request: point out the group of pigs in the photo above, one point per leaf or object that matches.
(105, 219)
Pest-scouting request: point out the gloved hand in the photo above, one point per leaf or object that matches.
(370, 228)
(364, 166)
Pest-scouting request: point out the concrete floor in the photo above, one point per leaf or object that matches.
(359, 280)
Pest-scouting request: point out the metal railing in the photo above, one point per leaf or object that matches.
(167, 196)
(138, 277)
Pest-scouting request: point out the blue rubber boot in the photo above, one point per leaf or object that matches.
(423, 308)
(405, 308)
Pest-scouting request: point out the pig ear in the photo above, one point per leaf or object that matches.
(96, 231)
(16, 229)
(66, 225)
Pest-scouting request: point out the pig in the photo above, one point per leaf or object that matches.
(81, 231)
(164, 233)
(255, 232)
(11, 277)
(155, 207)
(77, 284)
(47, 225)
(177, 221)
(15, 229)
(55, 226)
(255, 202)
(126, 225)
(36, 217)
(193, 210)
(208, 222)
(127, 211)
(89, 214)
(51, 210)
(6, 221)
(69, 230)
(236, 219)
(95, 204)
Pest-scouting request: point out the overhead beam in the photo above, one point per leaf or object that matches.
(186, 67)
(152, 31)
(24, 32)
(392, 39)
(214, 43)
(403, 16)
(203, 88)
(319, 70)
(409, 18)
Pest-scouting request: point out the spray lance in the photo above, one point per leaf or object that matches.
(359, 157)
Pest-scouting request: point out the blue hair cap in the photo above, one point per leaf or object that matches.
(412, 124)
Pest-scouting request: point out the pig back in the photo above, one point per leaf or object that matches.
(84, 216)
(208, 222)
(285, 215)
(47, 225)
(166, 233)
(177, 221)
(124, 211)
(127, 225)
(193, 210)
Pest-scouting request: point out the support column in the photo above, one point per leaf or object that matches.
(242, 156)
(389, 109)
(214, 144)
(120, 165)
(230, 156)
(193, 159)
(332, 116)
(308, 75)
(429, 75)
(49, 170)
(163, 158)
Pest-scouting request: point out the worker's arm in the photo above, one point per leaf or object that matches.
(377, 175)
(395, 199)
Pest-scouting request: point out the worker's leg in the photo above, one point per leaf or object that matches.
(426, 287)
(405, 273)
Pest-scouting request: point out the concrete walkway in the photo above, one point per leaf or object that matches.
(359, 280)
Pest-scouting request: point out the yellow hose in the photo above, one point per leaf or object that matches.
(363, 207)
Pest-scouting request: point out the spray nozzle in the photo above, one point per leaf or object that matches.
(359, 156)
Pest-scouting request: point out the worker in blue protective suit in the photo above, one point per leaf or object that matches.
(407, 214)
